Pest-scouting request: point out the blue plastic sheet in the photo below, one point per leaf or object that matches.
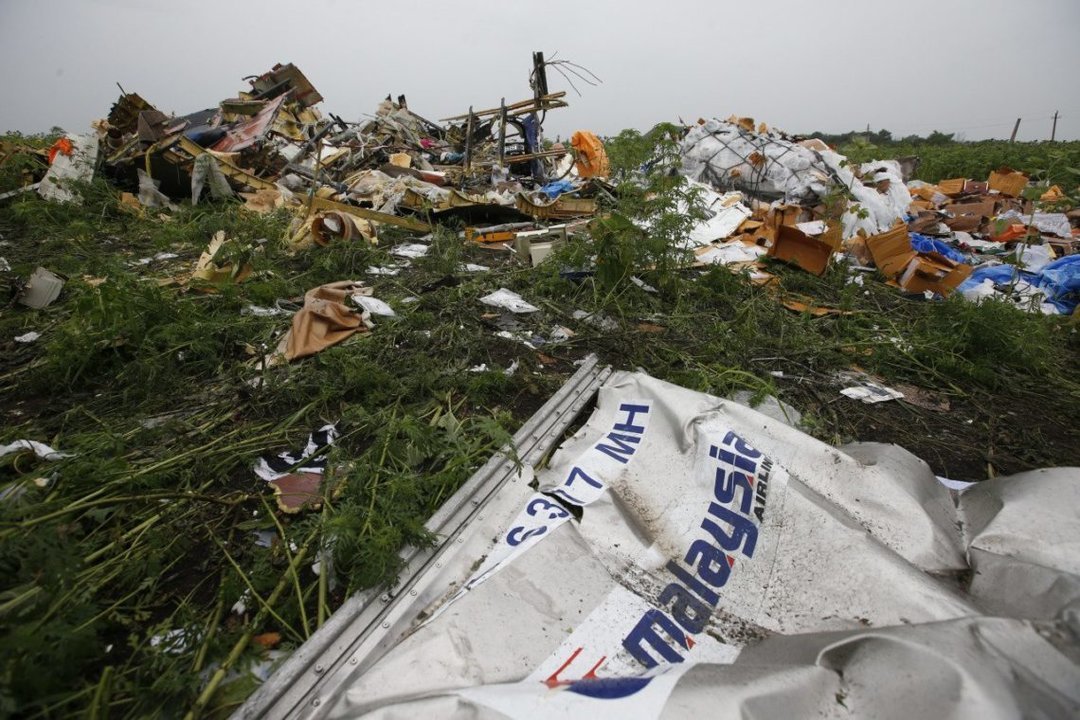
(1060, 281)
(924, 243)
(557, 188)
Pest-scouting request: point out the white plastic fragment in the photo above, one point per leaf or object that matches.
(375, 270)
(40, 449)
(411, 250)
(27, 337)
(871, 392)
(508, 300)
(374, 305)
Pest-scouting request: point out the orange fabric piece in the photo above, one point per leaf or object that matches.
(324, 320)
(63, 145)
(1015, 231)
(592, 159)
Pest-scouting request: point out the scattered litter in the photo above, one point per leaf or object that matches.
(311, 459)
(508, 300)
(472, 267)
(324, 320)
(257, 311)
(375, 270)
(374, 305)
(642, 284)
(4, 266)
(42, 289)
(173, 642)
(42, 450)
(160, 256)
(296, 477)
(871, 392)
(596, 320)
(411, 250)
(29, 337)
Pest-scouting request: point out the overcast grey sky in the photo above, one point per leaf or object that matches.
(911, 66)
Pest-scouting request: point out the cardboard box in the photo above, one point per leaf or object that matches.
(891, 250)
(955, 186)
(925, 222)
(786, 215)
(1008, 181)
(810, 253)
(969, 217)
(975, 187)
(933, 272)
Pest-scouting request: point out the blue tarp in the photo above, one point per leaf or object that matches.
(1060, 281)
(557, 188)
(924, 243)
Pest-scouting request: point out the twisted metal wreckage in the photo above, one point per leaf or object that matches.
(680, 553)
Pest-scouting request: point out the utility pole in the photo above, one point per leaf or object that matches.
(1053, 132)
(1012, 138)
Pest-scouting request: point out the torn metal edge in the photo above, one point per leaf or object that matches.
(323, 664)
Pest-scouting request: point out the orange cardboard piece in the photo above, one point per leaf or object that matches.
(926, 221)
(969, 216)
(927, 192)
(891, 250)
(786, 215)
(1008, 181)
(806, 305)
(1053, 194)
(921, 206)
(933, 272)
(810, 253)
(951, 187)
(976, 187)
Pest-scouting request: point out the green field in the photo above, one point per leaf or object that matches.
(148, 528)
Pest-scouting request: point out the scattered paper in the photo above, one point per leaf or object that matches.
(28, 337)
(411, 250)
(374, 306)
(470, 267)
(870, 393)
(374, 270)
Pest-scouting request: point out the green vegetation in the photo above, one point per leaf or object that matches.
(156, 391)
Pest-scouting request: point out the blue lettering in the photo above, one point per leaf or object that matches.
(513, 540)
(631, 410)
(645, 632)
(557, 511)
(711, 563)
(727, 483)
(692, 582)
(622, 450)
(687, 610)
(741, 528)
(575, 473)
